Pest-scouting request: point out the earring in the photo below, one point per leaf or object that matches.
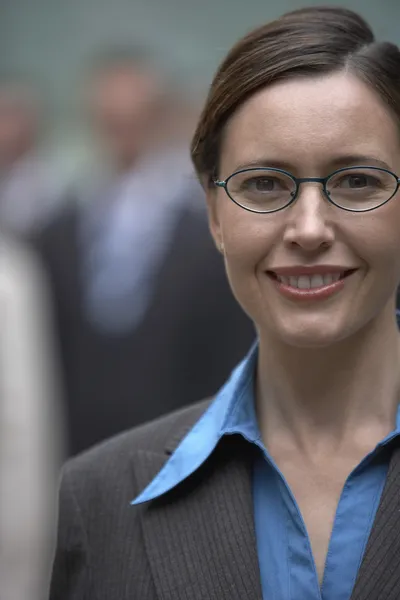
(221, 247)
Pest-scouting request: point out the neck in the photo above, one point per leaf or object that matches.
(327, 395)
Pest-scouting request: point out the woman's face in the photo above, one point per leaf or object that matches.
(310, 127)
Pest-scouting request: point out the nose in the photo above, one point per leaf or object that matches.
(309, 225)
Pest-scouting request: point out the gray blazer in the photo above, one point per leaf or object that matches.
(197, 542)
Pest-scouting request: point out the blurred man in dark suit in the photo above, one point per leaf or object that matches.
(145, 316)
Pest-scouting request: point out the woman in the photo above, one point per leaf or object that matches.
(285, 485)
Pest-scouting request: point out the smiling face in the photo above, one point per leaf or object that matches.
(310, 127)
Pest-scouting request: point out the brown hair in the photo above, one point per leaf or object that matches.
(302, 43)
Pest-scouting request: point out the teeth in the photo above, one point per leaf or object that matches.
(306, 282)
(303, 282)
(317, 281)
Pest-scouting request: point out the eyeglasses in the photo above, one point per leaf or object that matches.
(355, 189)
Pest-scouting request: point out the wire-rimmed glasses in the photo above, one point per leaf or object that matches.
(267, 190)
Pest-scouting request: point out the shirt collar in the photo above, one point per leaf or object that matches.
(232, 411)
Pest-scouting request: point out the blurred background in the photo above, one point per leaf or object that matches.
(53, 41)
(114, 305)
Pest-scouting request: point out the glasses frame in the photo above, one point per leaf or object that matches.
(299, 180)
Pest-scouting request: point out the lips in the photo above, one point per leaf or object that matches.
(306, 282)
(310, 283)
(309, 278)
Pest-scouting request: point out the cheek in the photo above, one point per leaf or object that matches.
(376, 240)
(247, 237)
(248, 241)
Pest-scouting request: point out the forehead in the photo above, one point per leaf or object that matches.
(309, 123)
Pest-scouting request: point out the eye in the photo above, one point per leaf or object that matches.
(261, 189)
(263, 184)
(358, 181)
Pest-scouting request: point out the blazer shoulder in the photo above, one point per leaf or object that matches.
(160, 436)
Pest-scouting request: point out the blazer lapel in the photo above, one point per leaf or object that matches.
(379, 574)
(200, 537)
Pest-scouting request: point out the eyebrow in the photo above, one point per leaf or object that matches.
(359, 159)
(265, 162)
(338, 162)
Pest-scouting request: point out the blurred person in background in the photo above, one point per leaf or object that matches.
(29, 189)
(31, 430)
(136, 280)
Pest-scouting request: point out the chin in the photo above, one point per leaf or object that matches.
(310, 340)
(311, 331)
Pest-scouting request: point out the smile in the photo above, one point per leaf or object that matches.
(312, 286)
(307, 282)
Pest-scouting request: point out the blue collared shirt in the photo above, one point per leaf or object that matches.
(287, 567)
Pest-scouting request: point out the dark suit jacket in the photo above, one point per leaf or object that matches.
(192, 336)
(197, 542)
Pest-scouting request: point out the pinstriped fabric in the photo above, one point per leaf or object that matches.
(195, 543)
(200, 537)
(100, 552)
(379, 574)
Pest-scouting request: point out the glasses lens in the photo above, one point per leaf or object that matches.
(261, 190)
(361, 189)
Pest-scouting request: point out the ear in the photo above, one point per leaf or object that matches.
(212, 198)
